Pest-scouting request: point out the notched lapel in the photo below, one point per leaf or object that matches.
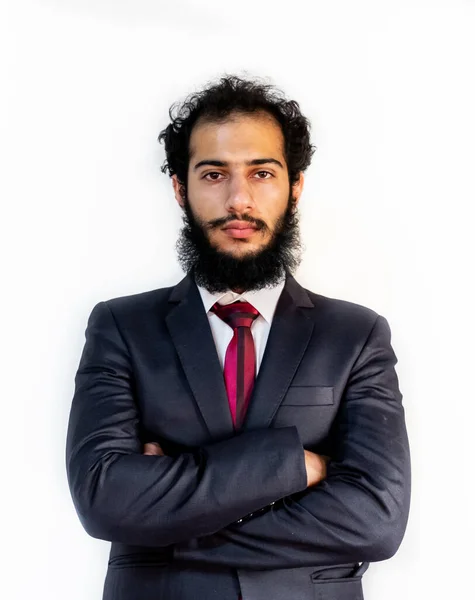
(191, 334)
(289, 336)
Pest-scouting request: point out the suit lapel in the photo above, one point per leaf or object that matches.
(288, 339)
(191, 334)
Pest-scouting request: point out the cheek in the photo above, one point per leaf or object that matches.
(274, 213)
(273, 202)
(205, 203)
(202, 210)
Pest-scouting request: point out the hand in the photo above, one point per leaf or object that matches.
(153, 449)
(316, 465)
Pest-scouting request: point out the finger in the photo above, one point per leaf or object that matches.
(153, 449)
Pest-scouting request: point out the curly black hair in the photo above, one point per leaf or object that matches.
(232, 94)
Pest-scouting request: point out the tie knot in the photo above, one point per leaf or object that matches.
(237, 314)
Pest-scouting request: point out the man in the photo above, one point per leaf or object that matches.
(236, 435)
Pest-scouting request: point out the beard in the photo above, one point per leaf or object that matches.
(219, 271)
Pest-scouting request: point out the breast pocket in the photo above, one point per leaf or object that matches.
(311, 409)
(308, 395)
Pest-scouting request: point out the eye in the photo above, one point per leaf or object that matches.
(268, 173)
(212, 173)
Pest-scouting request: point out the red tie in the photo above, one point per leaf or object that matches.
(240, 360)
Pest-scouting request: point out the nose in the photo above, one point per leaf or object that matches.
(239, 198)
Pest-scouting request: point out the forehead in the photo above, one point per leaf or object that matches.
(238, 138)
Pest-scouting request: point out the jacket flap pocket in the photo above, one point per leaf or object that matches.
(343, 589)
(308, 395)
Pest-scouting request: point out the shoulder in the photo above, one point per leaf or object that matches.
(342, 315)
(141, 300)
(352, 323)
(135, 306)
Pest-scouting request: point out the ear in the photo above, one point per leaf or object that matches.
(297, 188)
(178, 190)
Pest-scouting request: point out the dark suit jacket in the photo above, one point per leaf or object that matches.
(225, 512)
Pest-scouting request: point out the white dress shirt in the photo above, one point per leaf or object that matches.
(264, 300)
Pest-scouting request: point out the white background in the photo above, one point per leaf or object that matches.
(87, 215)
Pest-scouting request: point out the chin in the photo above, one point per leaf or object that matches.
(239, 248)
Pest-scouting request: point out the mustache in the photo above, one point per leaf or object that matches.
(258, 223)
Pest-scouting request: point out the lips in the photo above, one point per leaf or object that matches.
(240, 229)
(240, 225)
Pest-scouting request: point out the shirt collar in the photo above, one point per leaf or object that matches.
(264, 300)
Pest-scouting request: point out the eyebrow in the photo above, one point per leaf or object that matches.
(249, 163)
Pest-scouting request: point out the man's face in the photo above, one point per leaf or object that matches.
(238, 203)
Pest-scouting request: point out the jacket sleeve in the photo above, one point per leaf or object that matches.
(359, 512)
(122, 495)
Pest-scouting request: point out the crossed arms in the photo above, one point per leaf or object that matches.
(192, 501)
